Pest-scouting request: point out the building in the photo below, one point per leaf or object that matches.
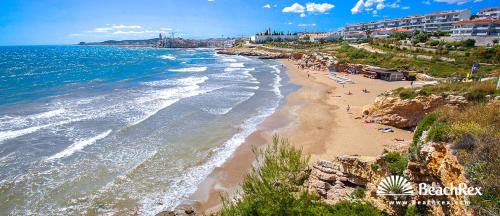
(272, 35)
(383, 33)
(478, 27)
(489, 13)
(318, 36)
(355, 35)
(384, 74)
(278, 37)
(439, 21)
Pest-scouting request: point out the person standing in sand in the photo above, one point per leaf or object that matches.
(348, 107)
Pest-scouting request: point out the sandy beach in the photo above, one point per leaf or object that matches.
(314, 118)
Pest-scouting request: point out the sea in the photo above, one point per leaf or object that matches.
(102, 130)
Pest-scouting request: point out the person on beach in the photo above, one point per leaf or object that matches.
(348, 107)
(411, 83)
(308, 75)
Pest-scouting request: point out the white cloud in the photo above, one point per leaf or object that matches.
(290, 23)
(211, 0)
(405, 7)
(358, 7)
(306, 25)
(371, 5)
(319, 8)
(126, 26)
(294, 8)
(267, 6)
(302, 15)
(458, 2)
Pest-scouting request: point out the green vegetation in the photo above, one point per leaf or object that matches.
(474, 133)
(358, 193)
(434, 67)
(473, 91)
(276, 188)
(405, 93)
(396, 163)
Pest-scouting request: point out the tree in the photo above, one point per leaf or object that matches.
(420, 37)
(399, 35)
(469, 43)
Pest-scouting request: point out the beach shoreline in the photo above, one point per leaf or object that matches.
(314, 118)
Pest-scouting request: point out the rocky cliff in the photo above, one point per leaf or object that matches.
(336, 180)
(405, 113)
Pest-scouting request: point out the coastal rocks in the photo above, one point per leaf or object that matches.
(262, 54)
(185, 209)
(424, 77)
(314, 61)
(400, 113)
(335, 181)
(436, 165)
(405, 113)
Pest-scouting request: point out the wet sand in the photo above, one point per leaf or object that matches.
(314, 118)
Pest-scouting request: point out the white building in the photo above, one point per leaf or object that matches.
(478, 27)
(264, 38)
(355, 35)
(433, 22)
(489, 13)
(318, 36)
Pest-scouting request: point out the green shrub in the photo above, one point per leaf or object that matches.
(411, 211)
(275, 188)
(425, 92)
(407, 94)
(476, 95)
(438, 132)
(358, 193)
(396, 163)
(375, 166)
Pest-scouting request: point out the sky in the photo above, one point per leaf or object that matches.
(44, 22)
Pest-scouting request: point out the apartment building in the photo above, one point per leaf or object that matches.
(477, 27)
(383, 33)
(489, 13)
(433, 22)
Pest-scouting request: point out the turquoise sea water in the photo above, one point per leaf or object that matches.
(95, 129)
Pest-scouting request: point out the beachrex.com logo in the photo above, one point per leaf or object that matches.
(394, 185)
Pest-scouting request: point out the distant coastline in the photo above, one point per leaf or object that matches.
(167, 43)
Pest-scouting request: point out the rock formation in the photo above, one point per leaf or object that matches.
(405, 113)
(334, 181)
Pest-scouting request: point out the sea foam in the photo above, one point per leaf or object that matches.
(78, 146)
(190, 69)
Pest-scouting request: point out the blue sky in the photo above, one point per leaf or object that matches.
(24, 22)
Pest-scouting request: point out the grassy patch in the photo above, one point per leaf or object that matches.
(396, 163)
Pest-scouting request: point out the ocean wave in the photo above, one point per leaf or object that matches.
(190, 69)
(11, 134)
(237, 65)
(182, 81)
(231, 69)
(168, 57)
(77, 146)
(156, 100)
(229, 60)
(277, 81)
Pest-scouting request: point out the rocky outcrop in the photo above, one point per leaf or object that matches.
(405, 113)
(437, 166)
(262, 54)
(334, 181)
(184, 209)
